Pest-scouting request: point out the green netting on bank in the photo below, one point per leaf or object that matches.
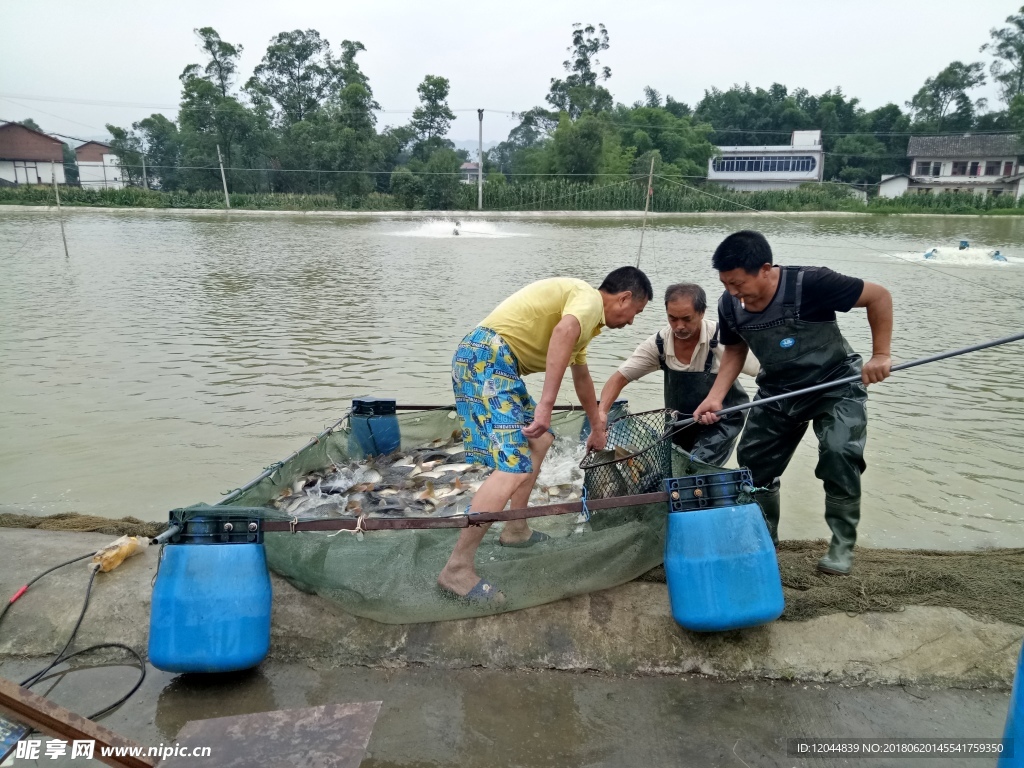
(390, 576)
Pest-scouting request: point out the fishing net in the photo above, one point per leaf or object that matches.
(390, 576)
(986, 584)
(636, 460)
(74, 522)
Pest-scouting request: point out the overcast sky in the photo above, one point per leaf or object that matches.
(499, 56)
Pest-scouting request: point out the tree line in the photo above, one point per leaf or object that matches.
(306, 121)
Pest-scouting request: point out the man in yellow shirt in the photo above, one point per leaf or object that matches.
(545, 326)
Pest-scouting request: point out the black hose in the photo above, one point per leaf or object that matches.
(7, 607)
(60, 658)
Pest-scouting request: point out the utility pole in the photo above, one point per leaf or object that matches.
(145, 181)
(647, 205)
(224, 179)
(60, 213)
(480, 165)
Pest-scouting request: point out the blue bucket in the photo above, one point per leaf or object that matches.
(1014, 734)
(375, 430)
(720, 562)
(211, 602)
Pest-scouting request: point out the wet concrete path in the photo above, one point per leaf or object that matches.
(493, 719)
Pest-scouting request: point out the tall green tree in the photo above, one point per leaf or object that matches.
(297, 74)
(433, 117)
(1007, 46)
(580, 90)
(210, 115)
(127, 145)
(156, 138)
(223, 58)
(577, 147)
(943, 104)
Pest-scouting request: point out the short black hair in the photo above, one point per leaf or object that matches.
(628, 279)
(747, 250)
(690, 291)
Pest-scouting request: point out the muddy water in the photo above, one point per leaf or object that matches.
(173, 356)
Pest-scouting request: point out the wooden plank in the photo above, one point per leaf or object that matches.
(329, 736)
(53, 720)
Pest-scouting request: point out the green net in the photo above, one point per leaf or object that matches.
(390, 576)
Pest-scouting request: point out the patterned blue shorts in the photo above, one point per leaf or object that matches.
(492, 402)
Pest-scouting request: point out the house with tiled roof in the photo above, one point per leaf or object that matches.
(985, 164)
(29, 157)
(98, 166)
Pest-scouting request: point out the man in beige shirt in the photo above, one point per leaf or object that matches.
(689, 353)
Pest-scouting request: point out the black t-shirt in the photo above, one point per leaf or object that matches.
(824, 293)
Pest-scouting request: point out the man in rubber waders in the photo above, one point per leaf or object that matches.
(545, 326)
(689, 353)
(787, 317)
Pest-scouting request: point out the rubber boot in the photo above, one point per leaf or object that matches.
(770, 508)
(842, 517)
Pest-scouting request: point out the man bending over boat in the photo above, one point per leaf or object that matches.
(689, 353)
(787, 317)
(545, 326)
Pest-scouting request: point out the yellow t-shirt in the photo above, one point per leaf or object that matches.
(526, 319)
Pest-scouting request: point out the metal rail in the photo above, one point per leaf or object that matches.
(459, 521)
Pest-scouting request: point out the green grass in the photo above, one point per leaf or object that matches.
(550, 195)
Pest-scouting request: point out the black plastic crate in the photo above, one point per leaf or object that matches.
(715, 489)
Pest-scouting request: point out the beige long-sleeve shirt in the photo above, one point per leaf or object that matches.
(644, 359)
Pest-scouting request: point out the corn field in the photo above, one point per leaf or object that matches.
(553, 195)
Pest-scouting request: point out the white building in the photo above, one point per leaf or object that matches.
(98, 167)
(468, 172)
(982, 164)
(782, 166)
(29, 157)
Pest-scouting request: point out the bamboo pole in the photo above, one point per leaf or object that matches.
(647, 205)
(60, 213)
(224, 179)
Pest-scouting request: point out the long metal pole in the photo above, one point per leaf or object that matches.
(145, 181)
(223, 178)
(647, 204)
(60, 213)
(851, 379)
(480, 164)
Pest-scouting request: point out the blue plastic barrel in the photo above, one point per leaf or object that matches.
(211, 608)
(375, 430)
(1014, 734)
(721, 569)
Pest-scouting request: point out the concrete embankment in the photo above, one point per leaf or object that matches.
(624, 630)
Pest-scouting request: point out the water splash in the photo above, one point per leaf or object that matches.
(454, 228)
(562, 464)
(968, 257)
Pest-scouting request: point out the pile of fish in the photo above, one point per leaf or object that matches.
(432, 481)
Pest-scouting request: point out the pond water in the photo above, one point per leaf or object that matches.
(172, 356)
